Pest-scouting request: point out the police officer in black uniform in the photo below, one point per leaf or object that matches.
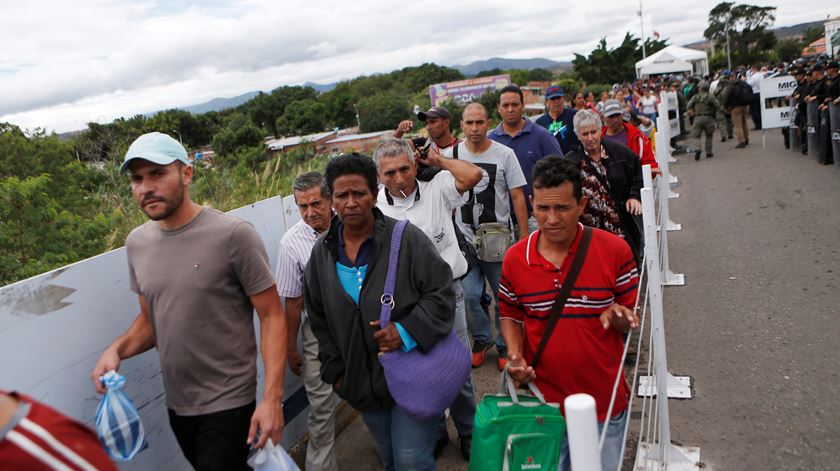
(799, 115)
(832, 84)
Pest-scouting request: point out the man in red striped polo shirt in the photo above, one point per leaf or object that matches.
(583, 353)
(36, 437)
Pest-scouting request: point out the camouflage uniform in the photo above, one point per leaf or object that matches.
(724, 119)
(705, 107)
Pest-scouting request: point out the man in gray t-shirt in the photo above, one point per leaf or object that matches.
(199, 274)
(502, 184)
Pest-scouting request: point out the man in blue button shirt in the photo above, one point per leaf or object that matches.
(529, 142)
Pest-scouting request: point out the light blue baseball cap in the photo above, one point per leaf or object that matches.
(157, 148)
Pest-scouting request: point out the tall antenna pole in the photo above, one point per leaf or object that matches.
(642, 23)
(728, 54)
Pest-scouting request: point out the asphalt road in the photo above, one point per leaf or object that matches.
(756, 325)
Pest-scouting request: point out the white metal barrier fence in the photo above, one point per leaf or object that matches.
(655, 387)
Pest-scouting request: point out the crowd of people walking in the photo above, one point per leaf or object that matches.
(523, 238)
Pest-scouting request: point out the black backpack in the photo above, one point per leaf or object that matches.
(742, 94)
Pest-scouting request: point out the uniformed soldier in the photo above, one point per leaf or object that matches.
(724, 119)
(819, 90)
(799, 75)
(703, 107)
(832, 84)
(803, 89)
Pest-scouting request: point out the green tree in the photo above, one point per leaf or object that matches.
(49, 213)
(540, 75)
(747, 27)
(419, 78)
(40, 233)
(652, 46)
(238, 134)
(491, 72)
(788, 49)
(605, 65)
(811, 34)
(382, 111)
(265, 108)
(341, 105)
(518, 76)
(302, 117)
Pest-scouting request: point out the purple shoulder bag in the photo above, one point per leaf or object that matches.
(423, 384)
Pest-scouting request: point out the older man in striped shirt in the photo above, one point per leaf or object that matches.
(312, 196)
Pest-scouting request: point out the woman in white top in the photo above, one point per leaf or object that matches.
(648, 105)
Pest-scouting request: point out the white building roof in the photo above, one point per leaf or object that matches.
(282, 143)
(355, 137)
(670, 59)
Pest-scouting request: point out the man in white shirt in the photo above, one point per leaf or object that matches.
(754, 81)
(504, 183)
(312, 196)
(429, 205)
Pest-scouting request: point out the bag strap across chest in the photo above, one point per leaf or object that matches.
(565, 290)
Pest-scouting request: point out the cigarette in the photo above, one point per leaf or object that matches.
(403, 193)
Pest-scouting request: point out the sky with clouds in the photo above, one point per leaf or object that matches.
(64, 64)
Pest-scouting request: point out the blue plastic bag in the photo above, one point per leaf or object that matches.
(118, 423)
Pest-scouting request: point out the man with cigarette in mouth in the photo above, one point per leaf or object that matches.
(429, 205)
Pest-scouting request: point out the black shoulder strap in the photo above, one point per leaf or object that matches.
(455, 156)
(565, 290)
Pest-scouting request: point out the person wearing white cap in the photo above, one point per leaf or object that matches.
(199, 274)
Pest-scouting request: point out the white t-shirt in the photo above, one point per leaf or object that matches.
(755, 81)
(430, 207)
(649, 105)
(501, 172)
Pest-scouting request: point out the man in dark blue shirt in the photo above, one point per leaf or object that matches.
(558, 119)
(529, 142)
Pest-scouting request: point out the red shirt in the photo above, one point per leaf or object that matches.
(42, 438)
(580, 356)
(639, 144)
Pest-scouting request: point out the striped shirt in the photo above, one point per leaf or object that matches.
(580, 356)
(37, 437)
(292, 256)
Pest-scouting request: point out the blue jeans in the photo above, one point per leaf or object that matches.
(462, 409)
(611, 452)
(473, 288)
(402, 442)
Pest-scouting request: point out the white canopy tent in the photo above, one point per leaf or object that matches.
(673, 59)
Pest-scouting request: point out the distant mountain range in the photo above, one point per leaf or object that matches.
(218, 104)
(470, 70)
(473, 68)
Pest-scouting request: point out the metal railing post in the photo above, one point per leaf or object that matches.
(663, 453)
(669, 278)
(582, 422)
(663, 125)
